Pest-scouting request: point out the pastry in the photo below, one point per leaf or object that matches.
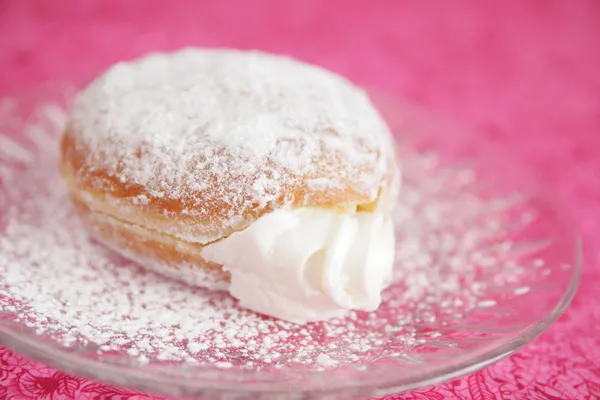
(242, 171)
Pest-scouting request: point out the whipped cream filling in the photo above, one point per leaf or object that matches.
(308, 264)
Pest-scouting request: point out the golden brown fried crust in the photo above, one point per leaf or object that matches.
(145, 244)
(104, 185)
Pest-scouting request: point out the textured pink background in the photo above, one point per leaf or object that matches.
(524, 73)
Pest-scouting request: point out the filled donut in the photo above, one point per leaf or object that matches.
(239, 170)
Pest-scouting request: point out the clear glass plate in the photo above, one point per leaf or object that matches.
(486, 262)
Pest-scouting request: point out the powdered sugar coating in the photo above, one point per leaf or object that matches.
(225, 132)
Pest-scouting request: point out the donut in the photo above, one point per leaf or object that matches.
(238, 170)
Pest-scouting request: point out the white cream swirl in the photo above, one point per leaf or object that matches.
(308, 264)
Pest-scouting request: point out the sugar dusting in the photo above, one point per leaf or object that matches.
(231, 130)
(57, 282)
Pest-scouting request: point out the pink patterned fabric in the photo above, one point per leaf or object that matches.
(526, 74)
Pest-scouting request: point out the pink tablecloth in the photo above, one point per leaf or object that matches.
(525, 73)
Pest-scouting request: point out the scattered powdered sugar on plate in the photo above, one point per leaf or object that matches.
(77, 294)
